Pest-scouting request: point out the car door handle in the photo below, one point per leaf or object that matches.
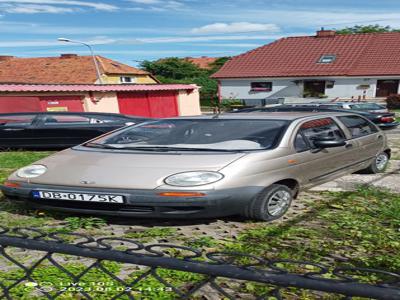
(13, 129)
(380, 137)
(348, 146)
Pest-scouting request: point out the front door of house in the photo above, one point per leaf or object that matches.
(385, 88)
(314, 88)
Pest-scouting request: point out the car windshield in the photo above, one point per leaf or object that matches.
(366, 106)
(196, 135)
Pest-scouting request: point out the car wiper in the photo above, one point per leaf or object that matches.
(166, 149)
(102, 146)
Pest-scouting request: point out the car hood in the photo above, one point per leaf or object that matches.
(140, 170)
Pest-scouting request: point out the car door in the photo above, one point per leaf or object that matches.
(321, 165)
(369, 139)
(64, 130)
(17, 130)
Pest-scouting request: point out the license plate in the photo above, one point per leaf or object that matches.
(78, 197)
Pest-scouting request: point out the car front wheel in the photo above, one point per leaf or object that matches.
(379, 164)
(270, 204)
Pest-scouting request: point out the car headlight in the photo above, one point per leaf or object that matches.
(31, 171)
(193, 178)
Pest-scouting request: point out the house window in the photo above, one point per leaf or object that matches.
(261, 86)
(327, 59)
(127, 79)
(330, 84)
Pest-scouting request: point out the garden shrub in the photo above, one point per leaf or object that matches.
(393, 101)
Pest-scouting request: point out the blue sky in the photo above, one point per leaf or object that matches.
(134, 30)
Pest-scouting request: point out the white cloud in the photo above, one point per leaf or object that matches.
(237, 27)
(95, 5)
(228, 45)
(46, 43)
(307, 18)
(157, 5)
(35, 9)
(150, 2)
(183, 39)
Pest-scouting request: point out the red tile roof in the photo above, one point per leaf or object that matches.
(70, 69)
(371, 54)
(94, 87)
(202, 62)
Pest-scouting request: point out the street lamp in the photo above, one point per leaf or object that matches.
(92, 53)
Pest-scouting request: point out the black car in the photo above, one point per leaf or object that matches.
(57, 130)
(383, 120)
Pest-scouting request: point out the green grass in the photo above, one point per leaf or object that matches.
(397, 111)
(12, 160)
(360, 228)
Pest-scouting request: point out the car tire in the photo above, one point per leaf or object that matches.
(379, 164)
(271, 204)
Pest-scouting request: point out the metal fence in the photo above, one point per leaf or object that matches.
(38, 265)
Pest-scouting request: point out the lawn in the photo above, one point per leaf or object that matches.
(397, 111)
(359, 228)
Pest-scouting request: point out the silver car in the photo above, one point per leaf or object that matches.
(210, 166)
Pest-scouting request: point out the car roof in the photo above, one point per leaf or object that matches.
(287, 116)
(72, 113)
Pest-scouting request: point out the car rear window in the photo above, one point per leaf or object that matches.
(18, 120)
(358, 126)
(66, 120)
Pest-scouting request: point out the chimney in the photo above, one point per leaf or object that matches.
(68, 55)
(325, 33)
(6, 57)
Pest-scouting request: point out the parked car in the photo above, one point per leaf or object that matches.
(357, 106)
(57, 130)
(383, 120)
(203, 166)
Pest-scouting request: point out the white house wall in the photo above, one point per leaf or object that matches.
(349, 87)
(240, 89)
(281, 88)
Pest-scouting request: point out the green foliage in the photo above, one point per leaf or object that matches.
(176, 70)
(75, 223)
(366, 29)
(172, 68)
(202, 242)
(393, 101)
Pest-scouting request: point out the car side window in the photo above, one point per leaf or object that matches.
(300, 144)
(105, 120)
(66, 120)
(325, 128)
(358, 126)
(16, 120)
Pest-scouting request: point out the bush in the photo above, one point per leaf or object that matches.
(393, 101)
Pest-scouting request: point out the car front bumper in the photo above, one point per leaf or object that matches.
(139, 203)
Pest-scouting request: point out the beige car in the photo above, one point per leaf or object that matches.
(249, 164)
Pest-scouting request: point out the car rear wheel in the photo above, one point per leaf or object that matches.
(270, 204)
(379, 164)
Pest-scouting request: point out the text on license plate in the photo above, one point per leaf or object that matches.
(78, 197)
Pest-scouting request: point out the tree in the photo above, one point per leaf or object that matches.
(172, 68)
(366, 29)
(176, 70)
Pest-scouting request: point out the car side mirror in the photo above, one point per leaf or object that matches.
(324, 143)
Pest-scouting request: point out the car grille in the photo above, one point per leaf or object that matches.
(93, 206)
